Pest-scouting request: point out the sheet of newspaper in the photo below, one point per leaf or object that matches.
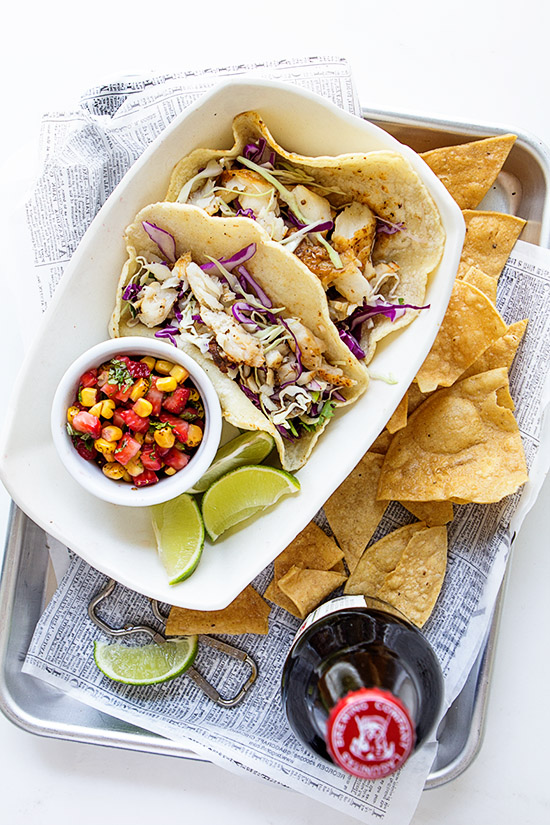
(84, 154)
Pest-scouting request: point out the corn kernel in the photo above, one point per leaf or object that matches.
(106, 448)
(168, 384)
(165, 437)
(150, 361)
(169, 471)
(134, 467)
(71, 412)
(142, 407)
(140, 388)
(194, 435)
(111, 433)
(108, 408)
(96, 409)
(194, 395)
(179, 373)
(164, 367)
(88, 396)
(113, 470)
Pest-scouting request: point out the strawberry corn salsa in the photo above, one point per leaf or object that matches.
(140, 420)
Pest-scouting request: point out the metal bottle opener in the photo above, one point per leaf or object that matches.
(159, 638)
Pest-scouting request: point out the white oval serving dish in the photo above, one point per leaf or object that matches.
(120, 541)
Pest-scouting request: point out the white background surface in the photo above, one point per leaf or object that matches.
(480, 62)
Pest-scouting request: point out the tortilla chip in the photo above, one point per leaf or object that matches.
(459, 446)
(501, 353)
(308, 588)
(274, 593)
(381, 444)
(490, 237)
(380, 559)
(485, 283)
(416, 397)
(471, 324)
(353, 511)
(469, 170)
(399, 417)
(415, 584)
(248, 613)
(311, 548)
(434, 513)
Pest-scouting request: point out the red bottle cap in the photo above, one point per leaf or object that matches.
(370, 733)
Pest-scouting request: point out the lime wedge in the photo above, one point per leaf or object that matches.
(248, 448)
(241, 493)
(179, 531)
(148, 664)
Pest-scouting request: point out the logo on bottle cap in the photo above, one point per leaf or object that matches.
(370, 733)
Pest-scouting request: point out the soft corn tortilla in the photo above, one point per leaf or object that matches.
(384, 180)
(278, 273)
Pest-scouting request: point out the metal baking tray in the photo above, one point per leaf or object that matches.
(27, 579)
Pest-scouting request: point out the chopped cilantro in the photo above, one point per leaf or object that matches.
(119, 374)
(85, 437)
(327, 412)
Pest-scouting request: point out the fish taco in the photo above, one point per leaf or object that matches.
(363, 223)
(248, 312)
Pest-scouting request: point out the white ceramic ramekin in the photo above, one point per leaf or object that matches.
(87, 473)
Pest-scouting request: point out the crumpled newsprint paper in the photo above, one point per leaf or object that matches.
(85, 152)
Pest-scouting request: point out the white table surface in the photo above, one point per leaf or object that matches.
(477, 61)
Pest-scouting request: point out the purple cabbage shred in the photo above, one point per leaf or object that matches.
(167, 332)
(131, 292)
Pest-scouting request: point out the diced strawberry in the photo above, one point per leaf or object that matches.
(87, 451)
(123, 393)
(176, 458)
(138, 369)
(161, 451)
(134, 421)
(127, 448)
(179, 426)
(89, 378)
(150, 458)
(117, 419)
(145, 478)
(110, 390)
(86, 423)
(175, 403)
(155, 396)
(192, 414)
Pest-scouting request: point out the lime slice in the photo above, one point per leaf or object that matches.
(179, 531)
(241, 493)
(248, 448)
(148, 664)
